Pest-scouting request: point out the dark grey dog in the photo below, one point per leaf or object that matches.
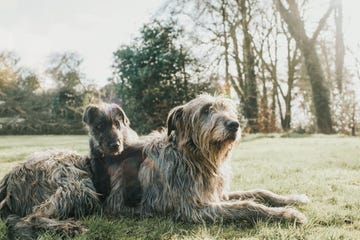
(51, 187)
(185, 171)
(110, 136)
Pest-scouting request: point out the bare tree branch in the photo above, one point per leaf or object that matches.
(322, 23)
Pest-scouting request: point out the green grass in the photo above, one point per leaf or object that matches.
(326, 168)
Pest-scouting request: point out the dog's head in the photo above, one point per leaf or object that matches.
(207, 124)
(107, 124)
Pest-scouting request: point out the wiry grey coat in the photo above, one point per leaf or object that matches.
(185, 172)
(47, 186)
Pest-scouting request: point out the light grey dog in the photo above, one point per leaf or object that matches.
(184, 171)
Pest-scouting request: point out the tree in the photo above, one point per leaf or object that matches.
(8, 69)
(320, 93)
(28, 80)
(154, 74)
(251, 101)
(10, 112)
(339, 45)
(20, 111)
(69, 95)
(64, 69)
(277, 90)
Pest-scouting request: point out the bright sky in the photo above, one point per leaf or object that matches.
(95, 29)
(36, 28)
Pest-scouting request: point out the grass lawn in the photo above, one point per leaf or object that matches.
(326, 168)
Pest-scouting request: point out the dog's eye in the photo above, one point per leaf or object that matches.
(206, 109)
(117, 124)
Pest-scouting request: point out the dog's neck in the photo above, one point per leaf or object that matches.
(206, 169)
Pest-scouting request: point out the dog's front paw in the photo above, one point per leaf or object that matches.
(300, 199)
(73, 228)
(295, 216)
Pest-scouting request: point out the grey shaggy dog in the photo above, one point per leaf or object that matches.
(53, 186)
(185, 171)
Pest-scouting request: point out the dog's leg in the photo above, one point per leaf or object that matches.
(29, 227)
(249, 211)
(268, 197)
(19, 229)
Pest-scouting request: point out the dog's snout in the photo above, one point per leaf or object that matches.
(114, 145)
(232, 125)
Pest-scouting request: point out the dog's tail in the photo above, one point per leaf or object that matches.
(4, 208)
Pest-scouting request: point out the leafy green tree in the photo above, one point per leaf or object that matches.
(154, 74)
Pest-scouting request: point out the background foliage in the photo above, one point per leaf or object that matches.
(284, 75)
(155, 74)
(151, 76)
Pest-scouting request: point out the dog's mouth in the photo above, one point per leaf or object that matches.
(229, 137)
(115, 153)
(113, 150)
(233, 135)
(226, 137)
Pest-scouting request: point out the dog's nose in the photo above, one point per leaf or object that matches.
(232, 125)
(114, 146)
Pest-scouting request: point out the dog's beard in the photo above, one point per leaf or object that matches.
(221, 135)
(232, 136)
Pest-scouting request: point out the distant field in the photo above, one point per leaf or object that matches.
(326, 168)
(15, 148)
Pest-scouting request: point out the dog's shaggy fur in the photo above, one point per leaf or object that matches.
(185, 172)
(50, 187)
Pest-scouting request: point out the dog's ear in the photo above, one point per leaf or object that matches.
(120, 112)
(174, 118)
(90, 114)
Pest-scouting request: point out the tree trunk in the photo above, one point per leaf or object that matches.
(273, 109)
(339, 44)
(237, 56)
(306, 45)
(226, 49)
(250, 89)
(292, 61)
(320, 92)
